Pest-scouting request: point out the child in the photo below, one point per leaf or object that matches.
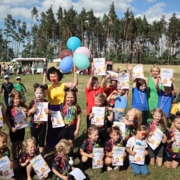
(100, 101)
(17, 136)
(38, 128)
(88, 144)
(20, 87)
(60, 164)
(3, 114)
(72, 115)
(114, 133)
(120, 97)
(7, 87)
(132, 122)
(173, 148)
(159, 121)
(138, 141)
(166, 98)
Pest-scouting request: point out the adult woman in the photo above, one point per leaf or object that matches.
(56, 98)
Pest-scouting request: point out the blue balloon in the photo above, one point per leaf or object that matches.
(66, 64)
(81, 61)
(73, 43)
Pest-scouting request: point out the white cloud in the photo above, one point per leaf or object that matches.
(150, 1)
(19, 2)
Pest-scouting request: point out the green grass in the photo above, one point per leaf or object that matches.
(156, 173)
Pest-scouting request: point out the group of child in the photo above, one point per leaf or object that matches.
(107, 135)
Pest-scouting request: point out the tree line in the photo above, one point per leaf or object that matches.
(123, 39)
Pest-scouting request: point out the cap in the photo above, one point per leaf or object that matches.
(18, 77)
(6, 76)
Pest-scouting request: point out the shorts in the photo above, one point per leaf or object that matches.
(159, 151)
(172, 159)
(118, 116)
(17, 136)
(67, 132)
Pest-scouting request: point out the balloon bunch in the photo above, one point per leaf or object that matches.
(74, 55)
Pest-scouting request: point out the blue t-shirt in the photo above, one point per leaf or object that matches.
(120, 102)
(165, 102)
(139, 99)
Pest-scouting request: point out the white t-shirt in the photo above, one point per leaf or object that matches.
(132, 142)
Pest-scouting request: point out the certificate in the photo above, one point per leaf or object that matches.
(99, 66)
(166, 77)
(123, 80)
(40, 166)
(77, 174)
(97, 160)
(20, 119)
(40, 114)
(6, 168)
(155, 140)
(139, 158)
(138, 71)
(57, 119)
(122, 127)
(99, 114)
(1, 117)
(118, 156)
(176, 143)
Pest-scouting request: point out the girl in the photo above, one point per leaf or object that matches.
(114, 133)
(134, 142)
(158, 120)
(31, 152)
(60, 165)
(38, 128)
(88, 144)
(173, 148)
(17, 136)
(120, 102)
(100, 101)
(72, 115)
(132, 122)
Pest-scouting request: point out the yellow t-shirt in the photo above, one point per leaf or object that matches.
(175, 108)
(56, 94)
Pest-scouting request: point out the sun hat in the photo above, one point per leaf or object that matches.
(6, 76)
(18, 77)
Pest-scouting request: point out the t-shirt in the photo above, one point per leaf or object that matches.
(152, 126)
(69, 113)
(132, 142)
(139, 99)
(165, 102)
(4, 152)
(61, 164)
(110, 143)
(90, 95)
(56, 94)
(19, 87)
(7, 87)
(175, 108)
(26, 156)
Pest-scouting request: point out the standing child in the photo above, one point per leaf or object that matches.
(138, 141)
(20, 87)
(158, 121)
(115, 140)
(7, 87)
(60, 164)
(173, 148)
(38, 128)
(16, 136)
(100, 101)
(72, 115)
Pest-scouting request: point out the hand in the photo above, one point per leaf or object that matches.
(74, 69)
(110, 108)
(27, 161)
(33, 110)
(65, 178)
(13, 129)
(173, 139)
(76, 133)
(146, 153)
(129, 66)
(25, 110)
(108, 76)
(46, 110)
(90, 155)
(151, 133)
(91, 115)
(114, 92)
(52, 119)
(133, 153)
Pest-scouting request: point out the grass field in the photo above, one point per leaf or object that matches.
(156, 173)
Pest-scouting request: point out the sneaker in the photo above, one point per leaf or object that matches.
(116, 168)
(109, 168)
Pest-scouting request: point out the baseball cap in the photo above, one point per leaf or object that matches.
(6, 76)
(18, 77)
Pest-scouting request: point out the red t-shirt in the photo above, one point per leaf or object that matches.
(108, 91)
(90, 95)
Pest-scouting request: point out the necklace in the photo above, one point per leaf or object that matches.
(165, 101)
(141, 95)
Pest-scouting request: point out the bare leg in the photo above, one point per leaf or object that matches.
(28, 170)
(152, 161)
(108, 160)
(175, 164)
(84, 159)
(168, 164)
(159, 161)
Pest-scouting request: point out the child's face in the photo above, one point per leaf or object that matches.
(167, 90)
(18, 80)
(6, 80)
(54, 78)
(31, 148)
(39, 94)
(17, 100)
(94, 136)
(155, 72)
(3, 142)
(115, 136)
(113, 84)
(98, 103)
(142, 87)
(95, 84)
(156, 116)
(70, 98)
(131, 113)
(177, 123)
(67, 151)
(141, 134)
(121, 91)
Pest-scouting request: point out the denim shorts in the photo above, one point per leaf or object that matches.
(118, 116)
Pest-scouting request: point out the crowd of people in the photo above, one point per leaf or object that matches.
(152, 107)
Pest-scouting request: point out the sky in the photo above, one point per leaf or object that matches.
(153, 9)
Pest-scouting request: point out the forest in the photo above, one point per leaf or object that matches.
(128, 38)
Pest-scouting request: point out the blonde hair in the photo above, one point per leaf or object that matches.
(101, 98)
(155, 66)
(31, 140)
(143, 128)
(63, 145)
(91, 129)
(113, 129)
(138, 116)
(163, 116)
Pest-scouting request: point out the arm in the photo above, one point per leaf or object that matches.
(129, 123)
(111, 96)
(82, 153)
(24, 88)
(164, 139)
(129, 68)
(88, 86)
(103, 82)
(157, 85)
(110, 117)
(77, 124)
(132, 153)
(174, 93)
(59, 175)
(1, 91)
(44, 78)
